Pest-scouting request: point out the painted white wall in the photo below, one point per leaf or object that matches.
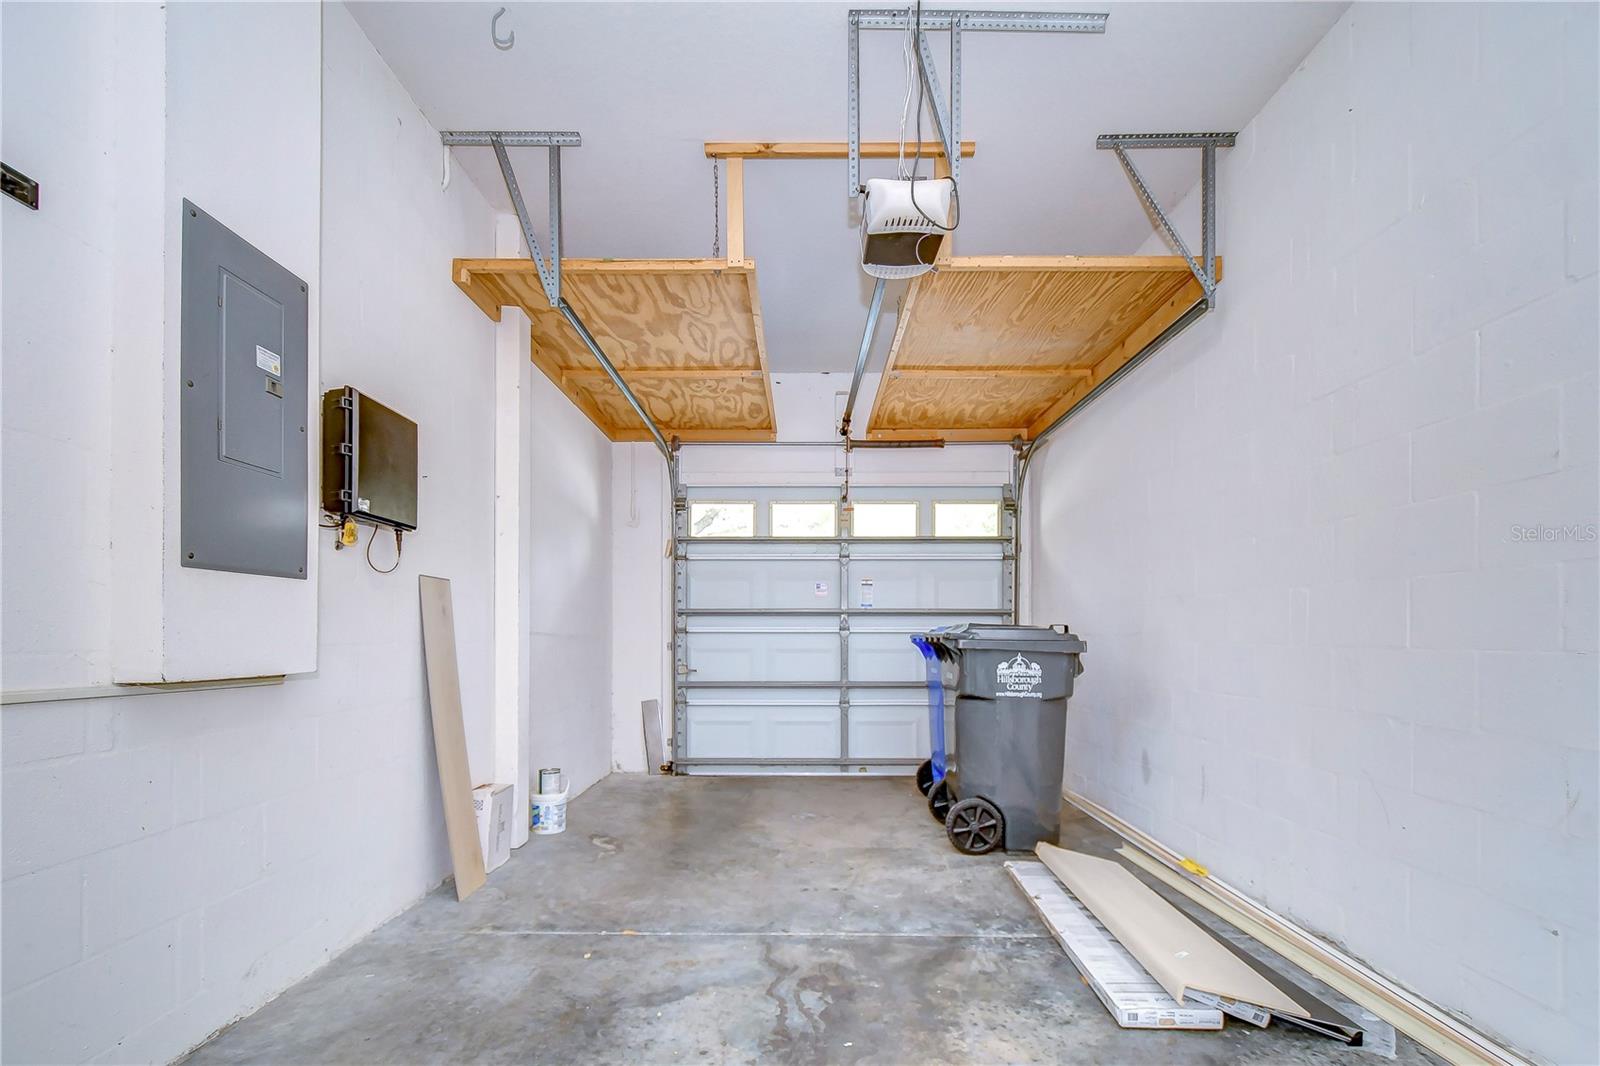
(171, 861)
(808, 407)
(1321, 658)
(571, 558)
(124, 144)
(641, 596)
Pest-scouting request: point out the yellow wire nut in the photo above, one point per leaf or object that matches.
(1195, 868)
(347, 533)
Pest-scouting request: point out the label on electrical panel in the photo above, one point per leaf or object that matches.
(271, 362)
(866, 592)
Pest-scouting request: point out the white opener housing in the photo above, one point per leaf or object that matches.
(900, 236)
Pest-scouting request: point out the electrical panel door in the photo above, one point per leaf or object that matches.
(244, 402)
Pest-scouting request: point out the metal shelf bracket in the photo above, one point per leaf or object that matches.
(1205, 267)
(550, 270)
(954, 22)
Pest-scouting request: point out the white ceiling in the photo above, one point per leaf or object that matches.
(647, 83)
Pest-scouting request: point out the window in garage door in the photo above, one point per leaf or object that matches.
(792, 643)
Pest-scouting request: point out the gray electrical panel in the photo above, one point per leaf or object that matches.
(244, 400)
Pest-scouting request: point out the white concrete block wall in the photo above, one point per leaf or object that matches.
(1334, 549)
(570, 582)
(172, 861)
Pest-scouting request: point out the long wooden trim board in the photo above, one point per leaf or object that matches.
(449, 734)
(1177, 952)
(1408, 1012)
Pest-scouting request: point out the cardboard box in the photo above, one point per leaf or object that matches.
(492, 803)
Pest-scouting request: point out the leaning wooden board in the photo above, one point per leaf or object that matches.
(1135, 999)
(449, 735)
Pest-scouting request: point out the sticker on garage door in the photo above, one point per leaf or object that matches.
(1019, 677)
(820, 588)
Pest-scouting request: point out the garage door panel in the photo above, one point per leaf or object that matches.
(756, 656)
(741, 583)
(876, 656)
(763, 726)
(881, 729)
(967, 584)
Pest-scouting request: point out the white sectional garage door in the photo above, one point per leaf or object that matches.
(792, 647)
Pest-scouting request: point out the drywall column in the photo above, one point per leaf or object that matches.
(640, 603)
(511, 756)
(255, 167)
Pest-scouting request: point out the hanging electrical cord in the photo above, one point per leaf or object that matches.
(397, 544)
(922, 80)
(905, 105)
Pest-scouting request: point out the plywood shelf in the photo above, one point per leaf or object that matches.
(685, 334)
(998, 347)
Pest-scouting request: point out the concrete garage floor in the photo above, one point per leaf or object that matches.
(731, 920)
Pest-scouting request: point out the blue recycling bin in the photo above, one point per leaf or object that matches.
(932, 772)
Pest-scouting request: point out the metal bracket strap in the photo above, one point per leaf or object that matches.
(1010, 21)
(512, 138)
(1204, 268)
(930, 85)
(547, 277)
(953, 21)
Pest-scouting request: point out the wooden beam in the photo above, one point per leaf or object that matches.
(1186, 296)
(1097, 264)
(968, 372)
(476, 290)
(761, 347)
(736, 209)
(724, 436)
(470, 268)
(629, 373)
(825, 149)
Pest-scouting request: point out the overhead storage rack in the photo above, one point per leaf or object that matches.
(995, 348)
(1005, 348)
(676, 348)
(685, 333)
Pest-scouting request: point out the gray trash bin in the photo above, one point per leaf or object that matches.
(1011, 685)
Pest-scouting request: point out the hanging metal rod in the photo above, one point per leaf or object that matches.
(616, 379)
(867, 333)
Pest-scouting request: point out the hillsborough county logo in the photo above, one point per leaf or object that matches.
(1019, 677)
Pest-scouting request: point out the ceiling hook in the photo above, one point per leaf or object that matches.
(494, 32)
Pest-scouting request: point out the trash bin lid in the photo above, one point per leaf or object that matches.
(985, 636)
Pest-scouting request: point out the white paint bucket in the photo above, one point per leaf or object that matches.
(547, 811)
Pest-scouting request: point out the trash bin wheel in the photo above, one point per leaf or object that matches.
(975, 826)
(925, 776)
(940, 797)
